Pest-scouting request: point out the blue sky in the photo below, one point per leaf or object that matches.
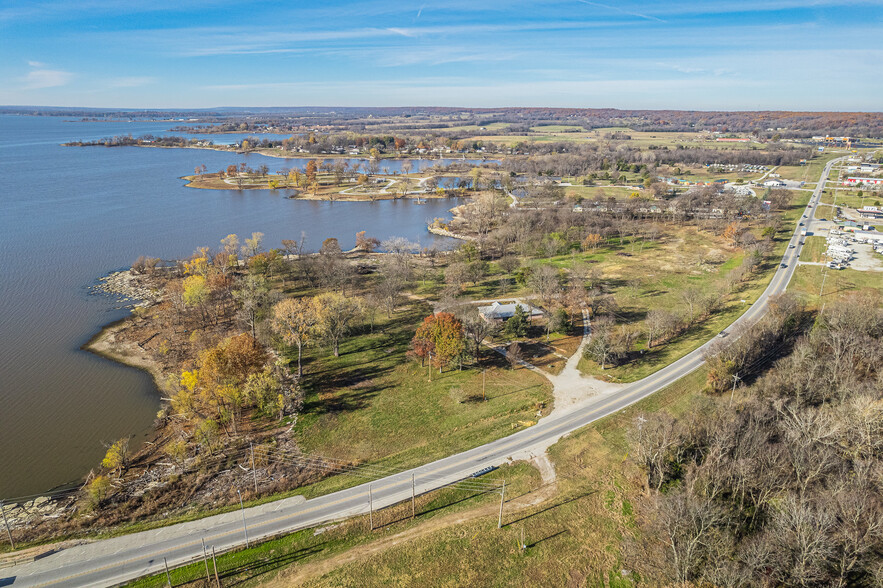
(729, 54)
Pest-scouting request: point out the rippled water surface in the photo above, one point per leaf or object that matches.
(72, 214)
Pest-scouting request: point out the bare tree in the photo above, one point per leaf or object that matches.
(476, 328)
(601, 344)
(545, 281)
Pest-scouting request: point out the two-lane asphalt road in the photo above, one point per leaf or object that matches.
(113, 561)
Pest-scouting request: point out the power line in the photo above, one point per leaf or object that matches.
(373, 472)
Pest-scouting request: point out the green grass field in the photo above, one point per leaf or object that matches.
(373, 404)
(813, 249)
(851, 199)
(557, 129)
(498, 126)
(824, 211)
(807, 283)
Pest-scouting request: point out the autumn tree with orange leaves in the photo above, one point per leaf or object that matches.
(733, 232)
(312, 170)
(441, 338)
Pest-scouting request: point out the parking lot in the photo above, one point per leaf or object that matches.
(860, 256)
(866, 259)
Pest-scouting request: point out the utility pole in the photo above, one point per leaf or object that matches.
(215, 562)
(824, 277)
(370, 508)
(413, 498)
(733, 391)
(254, 473)
(6, 522)
(208, 576)
(502, 498)
(522, 545)
(168, 576)
(244, 527)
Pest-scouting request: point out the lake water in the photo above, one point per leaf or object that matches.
(73, 214)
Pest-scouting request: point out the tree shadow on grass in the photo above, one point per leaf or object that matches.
(342, 398)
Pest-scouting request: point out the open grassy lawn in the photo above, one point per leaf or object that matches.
(497, 126)
(809, 172)
(592, 193)
(825, 211)
(556, 128)
(544, 137)
(813, 249)
(850, 198)
(654, 277)
(372, 404)
(807, 283)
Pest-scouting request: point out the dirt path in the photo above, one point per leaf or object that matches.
(570, 387)
(300, 574)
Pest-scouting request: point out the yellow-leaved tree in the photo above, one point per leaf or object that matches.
(117, 457)
(195, 290)
(98, 488)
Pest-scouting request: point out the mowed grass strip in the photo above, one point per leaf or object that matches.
(807, 283)
(814, 248)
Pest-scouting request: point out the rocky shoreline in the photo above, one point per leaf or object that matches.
(130, 288)
(21, 514)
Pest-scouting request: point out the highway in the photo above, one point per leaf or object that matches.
(113, 561)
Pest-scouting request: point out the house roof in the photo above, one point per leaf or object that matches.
(504, 311)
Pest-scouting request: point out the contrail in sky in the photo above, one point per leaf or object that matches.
(618, 9)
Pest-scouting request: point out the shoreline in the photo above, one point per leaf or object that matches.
(105, 344)
(359, 197)
(273, 152)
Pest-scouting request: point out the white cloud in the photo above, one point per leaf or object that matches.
(41, 77)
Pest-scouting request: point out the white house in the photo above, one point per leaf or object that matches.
(502, 312)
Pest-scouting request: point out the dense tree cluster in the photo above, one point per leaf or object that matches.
(569, 159)
(780, 486)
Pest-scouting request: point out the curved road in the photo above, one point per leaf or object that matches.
(113, 561)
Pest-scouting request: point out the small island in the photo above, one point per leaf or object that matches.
(342, 180)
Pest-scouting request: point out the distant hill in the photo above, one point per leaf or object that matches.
(786, 123)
